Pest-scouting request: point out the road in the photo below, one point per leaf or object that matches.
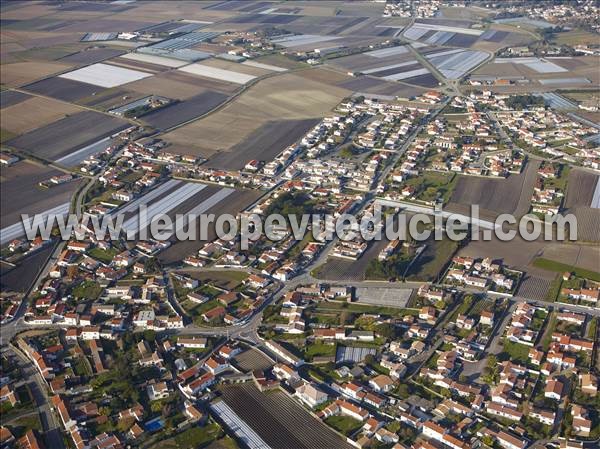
(39, 390)
(473, 370)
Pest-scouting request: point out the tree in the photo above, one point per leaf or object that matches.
(344, 317)
(386, 330)
(149, 335)
(403, 391)
(370, 359)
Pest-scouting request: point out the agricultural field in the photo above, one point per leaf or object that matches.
(228, 280)
(278, 420)
(546, 73)
(246, 68)
(33, 113)
(11, 98)
(152, 60)
(66, 135)
(582, 187)
(577, 256)
(455, 64)
(262, 144)
(19, 73)
(496, 196)
(179, 85)
(443, 32)
(19, 278)
(207, 71)
(583, 200)
(534, 287)
(184, 111)
(105, 75)
(21, 181)
(281, 97)
(378, 87)
(235, 201)
(63, 89)
(336, 269)
(395, 63)
(251, 359)
(91, 56)
(170, 198)
(381, 296)
(137, 65)
(575, 37)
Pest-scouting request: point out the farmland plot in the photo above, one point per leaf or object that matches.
(180, 85)
(180, 112)
(19, 279)
(21, 181)
(263, 144)
(11, 98)
(91, 56)
(582, 187)
(376, 86)
(251, 360)
(157, 60)
(283, 97)
(211, 200)
(60, 138)
(279, 420)
(33, 113)
(216, 73)
(19, 73)
(533, 287)
(497, 196)
(63, 89)
(105, 75)
(583, 200)
(454, 64)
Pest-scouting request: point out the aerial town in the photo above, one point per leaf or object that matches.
(137, 110)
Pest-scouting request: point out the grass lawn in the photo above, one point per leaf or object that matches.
(228, 279)
(224, 443)
(103, 255)
(197, 436)
(82, 367)
(334, 306)
(343, 424)
(28, 422)
(516, 351)
(198, 309)
(559, 267)
(431, 185)
(591, 330)
(554, 289)
(88, 290)
(547, 338)
(319, 349)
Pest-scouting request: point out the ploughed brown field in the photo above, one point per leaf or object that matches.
(496, 196)
(22, 195)
(58, 139)
(281, 97)
(280, 422)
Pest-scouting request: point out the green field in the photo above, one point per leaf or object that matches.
(574, 37)
(103, 255)
(318, 349)
(344, 424)
(430, 186)
(516, 352)
(559, 267)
